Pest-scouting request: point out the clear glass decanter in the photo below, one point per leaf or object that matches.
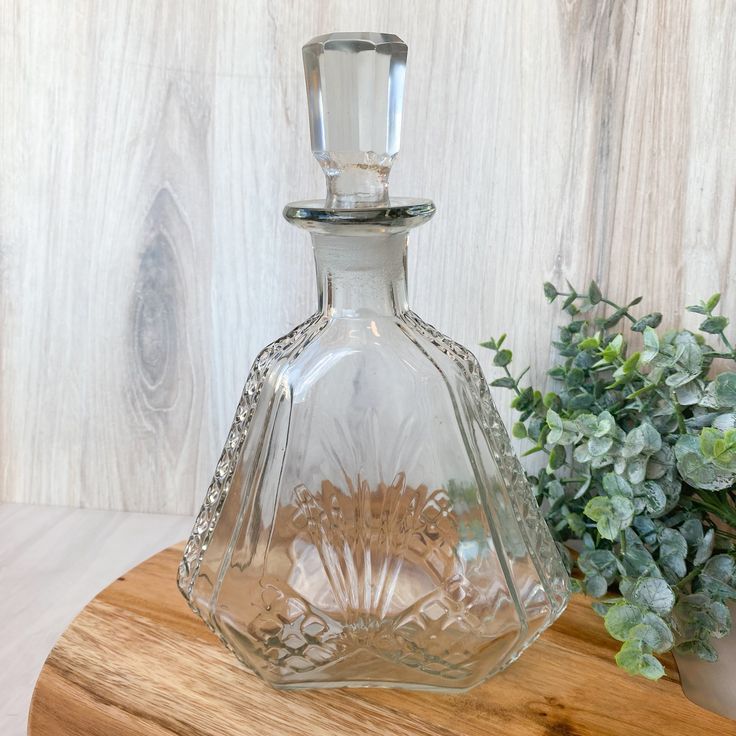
(368, 523)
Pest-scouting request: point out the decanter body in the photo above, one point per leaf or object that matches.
(368, 523)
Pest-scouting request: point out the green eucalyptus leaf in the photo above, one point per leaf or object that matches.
(556, 428)
(590, 343)
(712, 303)
(646, 528)
(648, 321)
(568, 304)
(587, 424)
(651, 345)
(576, 524)
(724, 388)
(611, 514)
(690, 393)
(581, 454)
(724, 453)
(721, 567)
(613, 349)
(636, 470)
(599, 446)
(557, 372)
(598, 562)
(557, 457)
(653, 497)
(575, 378)
(630, 364)
(550, 291)
(602, 607)
(614, 484)
(654, 632)
(679, 378)
(582, 489)
(555, 490)
(705, 547)
(596, 586)
(594, 293)
(714, 325)
(698, 616)
(625, 584)
(672, 542)
(708, 439)
(691, 357)
(692, 531)
(577, 325)
(502, 357)
(581, 401)
(673, 567)
(686, 445)
(606, 424)
(614, 319)
(504, 382)
(634, 658)
(654, 593)
(634, 443)
(575, 586)
(698, 470)
(700, 648)
(622, 618)
(724, 421)
(721, 619)
(584, 359)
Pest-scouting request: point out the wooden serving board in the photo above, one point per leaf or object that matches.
(137, 662)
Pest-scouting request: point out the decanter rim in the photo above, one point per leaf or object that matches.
(399, 213)
(370, 38)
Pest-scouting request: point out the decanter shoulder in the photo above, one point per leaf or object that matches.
(289, 346)
(458, 354)
(373, 352)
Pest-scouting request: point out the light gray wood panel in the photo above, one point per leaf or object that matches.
(147, 149)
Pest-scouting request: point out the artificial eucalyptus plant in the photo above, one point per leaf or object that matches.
(640, 443)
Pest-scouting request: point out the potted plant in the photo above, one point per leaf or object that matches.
(639, 478)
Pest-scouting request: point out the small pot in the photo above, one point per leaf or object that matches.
(712, 685)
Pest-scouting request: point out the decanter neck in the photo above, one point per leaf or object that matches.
(361, 276)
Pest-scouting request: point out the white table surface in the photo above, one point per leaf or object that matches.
(52, 562)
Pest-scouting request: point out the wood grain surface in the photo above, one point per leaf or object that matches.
(148, 146)
(137, 662)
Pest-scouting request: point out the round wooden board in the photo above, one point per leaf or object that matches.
(137, 662)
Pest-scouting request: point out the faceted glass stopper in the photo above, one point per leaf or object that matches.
(355, 90)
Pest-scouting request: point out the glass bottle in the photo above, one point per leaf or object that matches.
(368, 523)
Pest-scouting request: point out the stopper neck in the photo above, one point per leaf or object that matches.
(355, 181)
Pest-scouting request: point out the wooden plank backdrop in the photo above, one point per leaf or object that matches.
(147, 148)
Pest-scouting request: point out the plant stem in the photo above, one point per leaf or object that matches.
(516, 386)
(690, 576)
(602, 301)
(716, 354)
(617, 307)
(723, 337)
